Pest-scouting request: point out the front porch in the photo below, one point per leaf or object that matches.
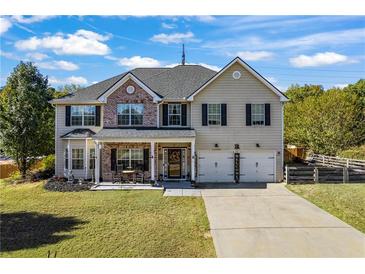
(158, 158)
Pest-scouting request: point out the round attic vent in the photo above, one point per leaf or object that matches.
(130, 89)
(236, 75)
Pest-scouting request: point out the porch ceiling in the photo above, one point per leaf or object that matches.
(108, 134)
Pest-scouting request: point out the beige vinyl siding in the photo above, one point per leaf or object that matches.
(61, 144)
(236, 94)
(188, 114)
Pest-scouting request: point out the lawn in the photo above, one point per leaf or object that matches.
(101, 224)
(345, 201)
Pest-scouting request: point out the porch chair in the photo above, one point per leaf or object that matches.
(139, 177)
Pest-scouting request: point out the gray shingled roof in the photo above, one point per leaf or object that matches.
(108, 133)
(79, 133)
(170, 83)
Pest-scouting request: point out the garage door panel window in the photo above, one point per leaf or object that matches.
(214, 114)
(258, 114)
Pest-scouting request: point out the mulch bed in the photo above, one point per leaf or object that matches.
(61, 185)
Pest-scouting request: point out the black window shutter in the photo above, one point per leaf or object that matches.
(113, 159)
(267, 115)
(183, 115)
(223, 114)
(146, 159)
(204, 114)
(97, 118)
(165, 117)
(68, 116)
(248, 114)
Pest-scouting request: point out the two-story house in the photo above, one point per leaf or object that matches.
(182, 123)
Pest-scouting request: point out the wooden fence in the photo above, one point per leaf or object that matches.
(7, 168)
(322, 174)
(331, 161)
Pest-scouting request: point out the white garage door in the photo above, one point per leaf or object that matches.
(215, 166)
(257, 167)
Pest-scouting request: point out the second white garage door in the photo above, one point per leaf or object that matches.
(257, 167)
(218, 166)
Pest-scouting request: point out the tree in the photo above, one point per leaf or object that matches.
(26, 117)
(325, 124)
(297, 93)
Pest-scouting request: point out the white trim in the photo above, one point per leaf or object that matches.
(129, 76)
(97, 162)
(282, 139)
(152, 160)
(193, 159)
(247, 67)
(147, 140)
(69, 156)
(86, 165)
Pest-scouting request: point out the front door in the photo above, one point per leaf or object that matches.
(174, 163)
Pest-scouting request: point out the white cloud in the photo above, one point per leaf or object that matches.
(174, 38)
(77, 80)
(212, 67)
(59, 65)
(255, 55)
(344, 37)
(319, 59)
(340, 85)
(9, 55)
(138, 61)
(168, 26)
(205, 18)
(37, 56)
(82, 42)
(5, 24)
(30, 19)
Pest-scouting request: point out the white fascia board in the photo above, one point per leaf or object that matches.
(127, 77)
(283, 98)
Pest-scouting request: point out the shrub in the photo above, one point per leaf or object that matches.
(48, 162)
(354, 153)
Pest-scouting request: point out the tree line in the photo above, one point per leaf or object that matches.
(325, 121)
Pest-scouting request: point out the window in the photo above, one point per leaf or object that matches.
(92, 158)
(66, 158)
(83, 115)
(130, 159)
(174, 113)
(214, 114)
(130, 114)
(258, 114)
(77, 158)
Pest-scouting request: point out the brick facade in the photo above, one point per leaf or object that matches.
(140, 96)
(106, 157)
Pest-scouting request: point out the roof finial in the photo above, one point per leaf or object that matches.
(183, 55)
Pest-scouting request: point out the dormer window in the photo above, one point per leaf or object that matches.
(174, 113)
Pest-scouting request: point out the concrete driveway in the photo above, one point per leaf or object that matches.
(274, 222)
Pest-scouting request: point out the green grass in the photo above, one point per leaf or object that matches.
(345, 201)
(101, 224)
(354, 153)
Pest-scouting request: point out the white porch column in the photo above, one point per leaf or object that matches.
(69, 151)
(193, 160)
(152, 157)
(97, 162)
(86, 160)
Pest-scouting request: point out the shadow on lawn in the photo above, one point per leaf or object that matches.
(21, 230)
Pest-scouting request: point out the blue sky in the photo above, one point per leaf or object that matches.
(327, 50)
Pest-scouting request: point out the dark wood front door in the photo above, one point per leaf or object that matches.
(174, 163)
